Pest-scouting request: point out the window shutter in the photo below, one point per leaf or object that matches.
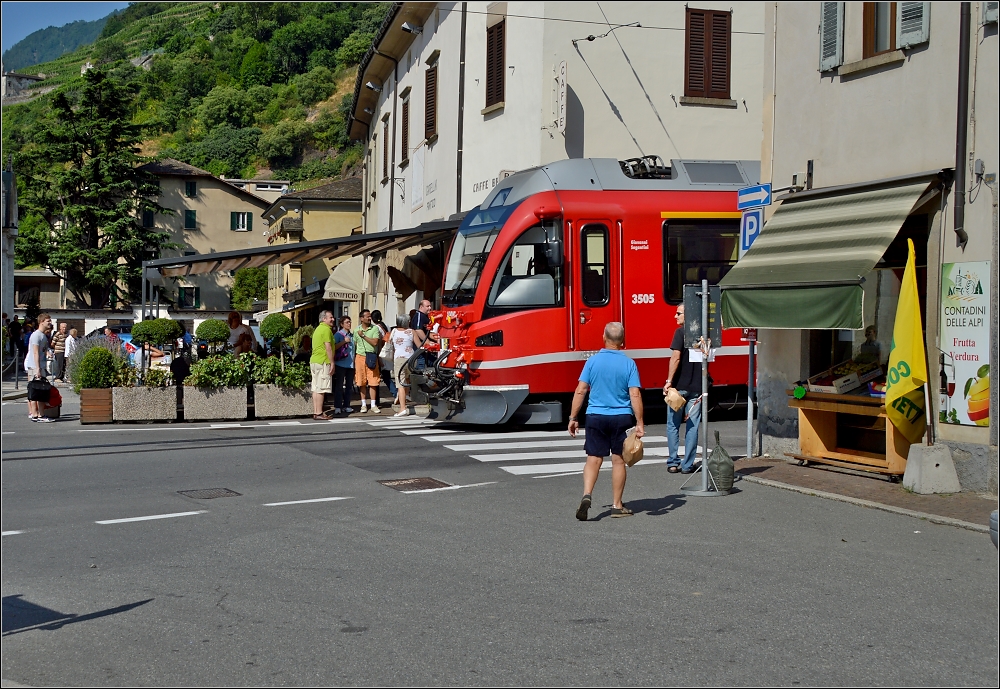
(430, 102)
(249, 222)
(232, 221)
(990, 11)
(718, 85)
(913, 23)
(831, 35)
(197, 297)
(385, 149)
(694, 54)
(405, 139)
(495, 58)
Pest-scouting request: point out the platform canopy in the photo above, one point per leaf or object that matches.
(806, 268)
(351, 245)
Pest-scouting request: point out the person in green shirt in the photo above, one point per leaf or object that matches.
(367, 340)
(321, 363)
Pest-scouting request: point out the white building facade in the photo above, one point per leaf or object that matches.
(455, 96)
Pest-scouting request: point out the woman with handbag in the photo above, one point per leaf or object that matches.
(367, 343)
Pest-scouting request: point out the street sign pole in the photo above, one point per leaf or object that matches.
(751, 397)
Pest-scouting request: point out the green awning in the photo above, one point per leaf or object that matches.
(805, 269)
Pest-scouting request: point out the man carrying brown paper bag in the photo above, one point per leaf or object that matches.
(613, 381)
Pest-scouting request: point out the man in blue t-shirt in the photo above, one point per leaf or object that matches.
(613, 382)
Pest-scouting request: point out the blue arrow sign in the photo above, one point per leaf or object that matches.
(753, 197)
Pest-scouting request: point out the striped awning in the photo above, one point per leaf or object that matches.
(805, 269)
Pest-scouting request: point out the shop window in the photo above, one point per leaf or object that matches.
(696, 250)
(430, 103)
(190, 189)
(190, 220)
(707, 50)
(595, 285)
(495, 57)
(526, 278)
(241, 222)
(879, 28)
(189, 297)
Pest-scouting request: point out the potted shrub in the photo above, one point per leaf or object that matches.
(217, 387)
(281, 392)
(276, 328)
(215, 332)
(93, 378)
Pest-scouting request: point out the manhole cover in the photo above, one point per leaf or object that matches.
(209, 493)
(422, 483)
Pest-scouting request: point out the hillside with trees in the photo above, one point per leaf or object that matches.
(239, 89)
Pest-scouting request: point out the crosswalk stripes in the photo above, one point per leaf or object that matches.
(519, 453)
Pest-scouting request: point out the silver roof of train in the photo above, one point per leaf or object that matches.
(605, 174)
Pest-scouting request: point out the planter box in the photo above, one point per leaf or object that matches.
(145, 404)
(95, 405)
(273, 402)
(214, 403)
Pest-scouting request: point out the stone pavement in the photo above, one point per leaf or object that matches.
(968, 507)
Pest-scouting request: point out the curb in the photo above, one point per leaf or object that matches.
(15, 396)
(933, 518)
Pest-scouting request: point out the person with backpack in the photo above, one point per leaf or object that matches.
(367, 345)
(385, 358)
(343, 366)
(403, 341)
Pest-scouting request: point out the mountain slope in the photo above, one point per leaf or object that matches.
(50, 43)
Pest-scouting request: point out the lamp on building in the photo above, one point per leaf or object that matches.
(373, 87)
(410, 28)
(369, 111)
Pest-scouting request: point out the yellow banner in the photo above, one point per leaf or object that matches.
(904, 395)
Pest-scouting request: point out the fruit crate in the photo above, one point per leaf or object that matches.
(844, 377)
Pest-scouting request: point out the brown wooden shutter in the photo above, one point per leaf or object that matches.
(495, 58)
(430, 102)
(385, 149)
(707, 51)
(405, 140)
(694, 54)
(718, 72)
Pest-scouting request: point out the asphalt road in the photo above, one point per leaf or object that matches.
(491, 581)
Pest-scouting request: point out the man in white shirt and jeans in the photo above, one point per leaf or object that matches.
(34, 363)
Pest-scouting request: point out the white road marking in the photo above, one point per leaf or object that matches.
(302, 502)
(284, 423)
(517, 434)
(12, 533)
(152, 516)
(229, 425)
(572, 467)
(567, 442)
(9, 432)
(181, 427)
(429, 431)
(566, 473)
(434, 490)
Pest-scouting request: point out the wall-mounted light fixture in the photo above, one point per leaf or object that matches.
(410, 28)
(371, 86)
(369, 111)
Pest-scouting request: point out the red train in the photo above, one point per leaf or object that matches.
(556, 252)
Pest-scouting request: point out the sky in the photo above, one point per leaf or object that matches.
(23, 18)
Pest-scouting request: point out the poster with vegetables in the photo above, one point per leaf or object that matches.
(965, 343)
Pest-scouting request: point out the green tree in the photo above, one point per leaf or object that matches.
(354, 48)
(108, 51)
(284, 141)
(249, 285)
(315, 85)
(84, 179)
(226, 105)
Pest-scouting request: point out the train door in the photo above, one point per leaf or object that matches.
(596, 301)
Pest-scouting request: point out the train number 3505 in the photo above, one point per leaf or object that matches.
(642, 299)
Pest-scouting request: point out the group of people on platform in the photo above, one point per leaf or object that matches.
(343, 356)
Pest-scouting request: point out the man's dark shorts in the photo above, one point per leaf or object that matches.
(606, 434)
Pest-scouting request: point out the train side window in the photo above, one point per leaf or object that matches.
(696, 250)
(525, 278)
(595, 283)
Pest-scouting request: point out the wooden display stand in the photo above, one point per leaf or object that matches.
(850, 431)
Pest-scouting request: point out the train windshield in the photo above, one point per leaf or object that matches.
(472, 245)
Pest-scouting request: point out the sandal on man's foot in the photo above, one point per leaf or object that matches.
(673, 469)
(321, 417)
(581, 511)
(621, 511)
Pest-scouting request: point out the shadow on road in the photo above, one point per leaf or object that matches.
(20, 615)
(654, 507)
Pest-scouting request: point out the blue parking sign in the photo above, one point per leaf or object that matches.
(750, 227)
